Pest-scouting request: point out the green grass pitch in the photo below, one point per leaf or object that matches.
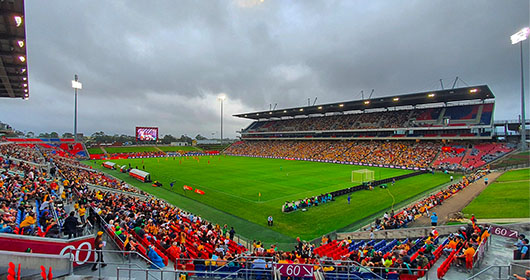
(127, 149)
(95, 151)
(232, 186)
(507, 197)
(178, 148)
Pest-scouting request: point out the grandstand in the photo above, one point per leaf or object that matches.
(415, 125)
(462, 113)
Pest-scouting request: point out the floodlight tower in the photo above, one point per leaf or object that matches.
(221, 98)
(76, 85)
(520, 37)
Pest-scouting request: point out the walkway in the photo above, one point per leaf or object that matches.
(457, 202)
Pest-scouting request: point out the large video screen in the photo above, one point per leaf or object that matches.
(146, 133)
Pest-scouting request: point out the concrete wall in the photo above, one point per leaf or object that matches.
(30, 263)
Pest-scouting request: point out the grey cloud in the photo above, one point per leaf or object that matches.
(163, 62)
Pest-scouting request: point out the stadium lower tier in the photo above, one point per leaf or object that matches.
(401, 154)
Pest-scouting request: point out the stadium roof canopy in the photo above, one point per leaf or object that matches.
(13, 57)
(482, 92)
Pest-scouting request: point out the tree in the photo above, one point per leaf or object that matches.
(44, 135)
(68, 135)
(54, 135)
(30, 134)
(185, 138)
(168, 138)
(200, 137)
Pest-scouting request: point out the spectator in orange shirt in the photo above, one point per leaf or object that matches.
(467, 256)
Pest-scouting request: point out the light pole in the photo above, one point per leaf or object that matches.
(221, 98)
(519, 37)
(76, 85)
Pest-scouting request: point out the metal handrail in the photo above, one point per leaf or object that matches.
(123, 253)
(354, 264)
(147, 270)
(499, 267)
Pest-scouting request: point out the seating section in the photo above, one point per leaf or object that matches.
(428, 117)
(487, 114)
(466, 112)
(481, 154)
(406, 154)
(62, 147)
(459, 157)
(430, 114)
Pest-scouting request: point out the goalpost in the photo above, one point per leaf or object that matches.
(362, 176)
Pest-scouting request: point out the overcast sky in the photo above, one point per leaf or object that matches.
(163, 63)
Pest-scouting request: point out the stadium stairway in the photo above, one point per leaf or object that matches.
(104, 151)
(499, 253)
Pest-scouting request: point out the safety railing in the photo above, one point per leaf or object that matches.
(492, 271)
(243, 267)
(126, 256)
(354, 270)
(478, 257)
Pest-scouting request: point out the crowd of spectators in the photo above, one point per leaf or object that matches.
(29, 195)
(20, 152)
(410, 154)
(30, 201)
(137, 155)
(367, 120)
(421, 208)
(397, 153)
(307, 202)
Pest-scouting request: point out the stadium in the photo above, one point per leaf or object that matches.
(423, 184)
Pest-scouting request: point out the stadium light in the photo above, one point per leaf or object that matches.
(367, 102)
(76, 85)
(20, 43)
(341, 105)
(18, 20)
(320, 107)
(21, 58)
(431, 95)
(520, 37)
(396, 99)
(221, 97)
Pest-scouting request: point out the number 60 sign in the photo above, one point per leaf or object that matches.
(295, 270)
(502, 231)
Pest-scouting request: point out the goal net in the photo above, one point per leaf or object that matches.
(362, 176)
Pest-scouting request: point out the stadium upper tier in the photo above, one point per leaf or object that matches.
(459, 113)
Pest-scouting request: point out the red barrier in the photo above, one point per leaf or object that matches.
(19, 243)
